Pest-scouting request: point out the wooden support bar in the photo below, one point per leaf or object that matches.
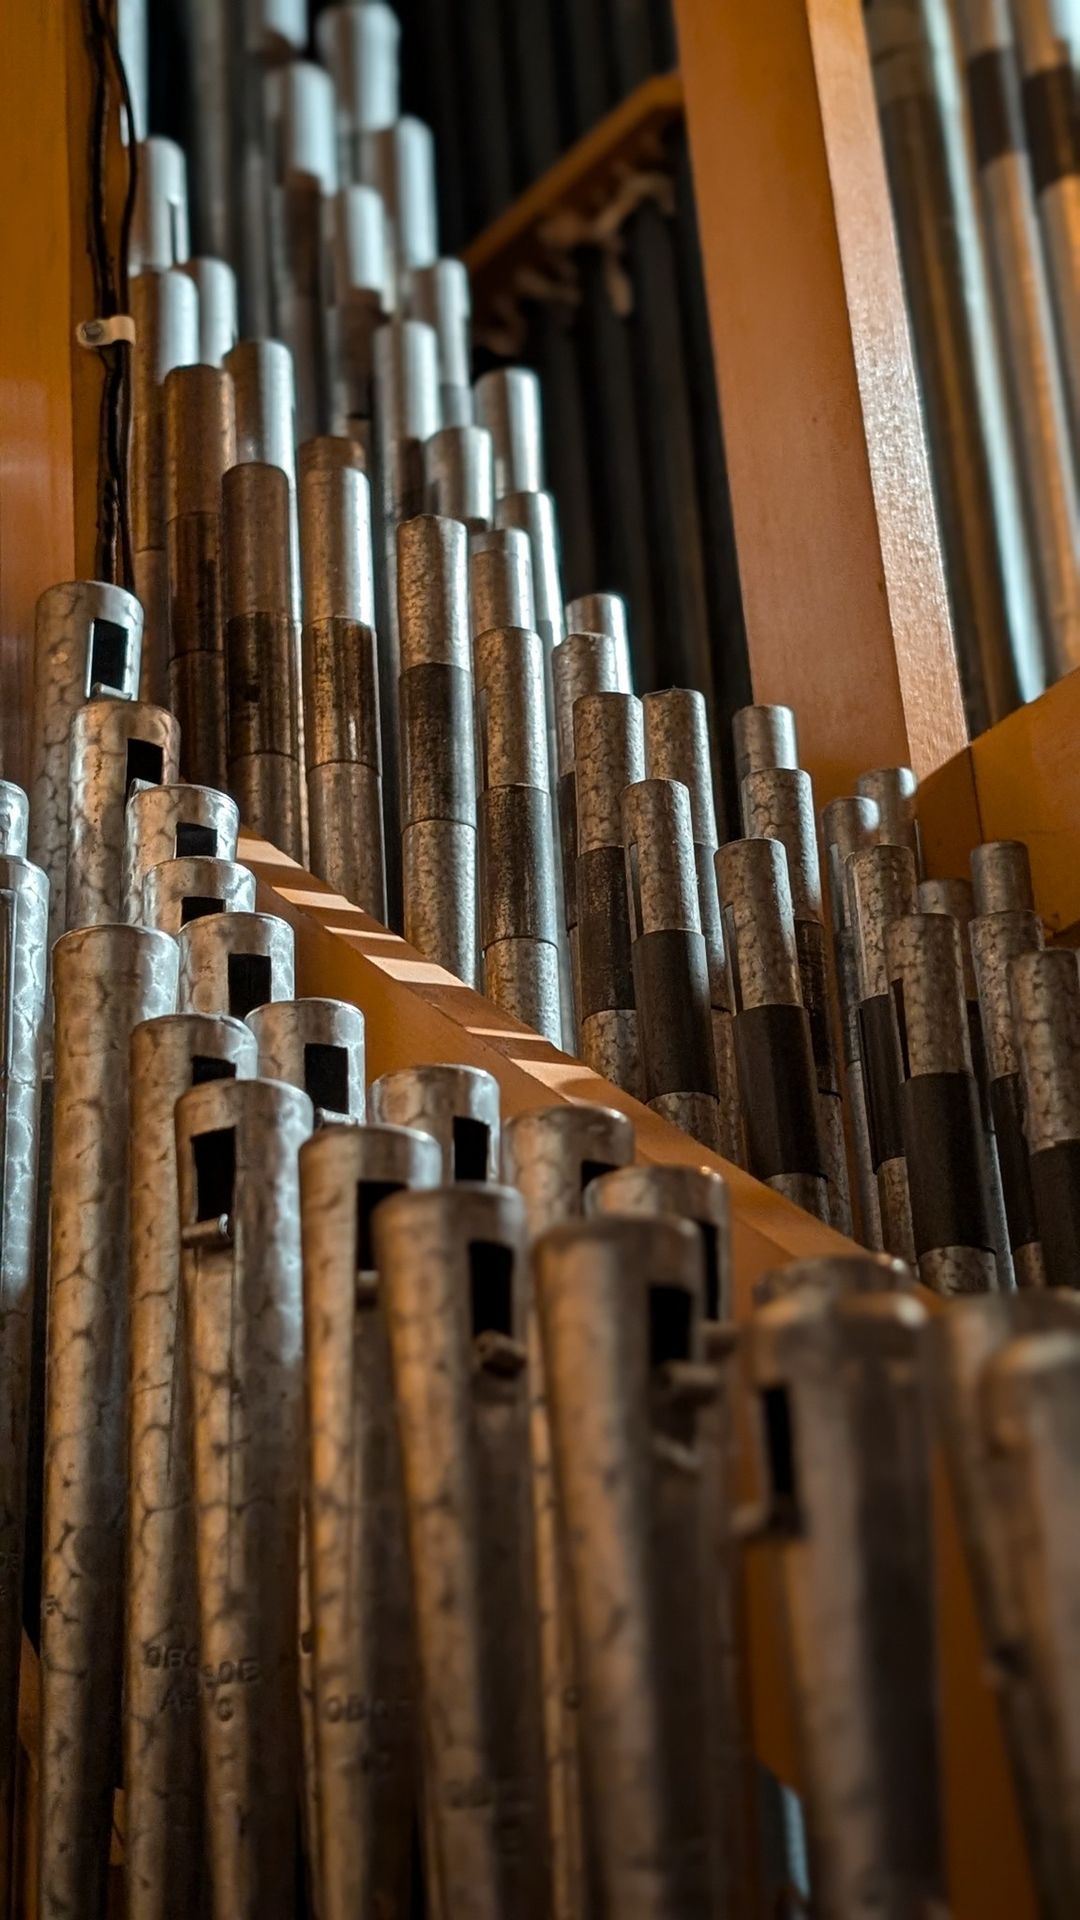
(1017, 781)
(581, 182)
(843, 591)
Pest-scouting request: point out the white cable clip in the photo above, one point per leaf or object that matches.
(106, 333)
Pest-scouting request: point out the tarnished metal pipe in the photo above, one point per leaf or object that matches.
(163, 1805)
(218, 324)
(173, 822)
(438, 768)
(261, 645)
(847, 825)
(778, 802)
(357, 300)
(87, 641)
(341, 686)
(24, 923)
(113, 743)
(459, 474)
(997, 938)
(165, 310)
(458, 1106)
(452, 1270)
(508, 404)
(584, 663)
(318, 1046)
(773, 1049)
(236, 1149)
(956, 897)
(940, 1113)
(893, 790)
(605, 613)
(176, 892)
(406, 416)
(500, 581)
(669, 959)
(1044, 990)
(106, 979)
(1001, 877)
(973, 1348)
(880, 884)
(553, 1155)
(519, 932)
(848, 1500)
(629, 1395)
(367, 1735)
(200, 445)
(609, 755)
(359, 44)
(441, 296)
(14, 820)
(233, 962)
(264, 384)
(763, 737)
(305, 175)
(1048, 73)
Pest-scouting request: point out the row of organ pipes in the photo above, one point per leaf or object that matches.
(368, 1458)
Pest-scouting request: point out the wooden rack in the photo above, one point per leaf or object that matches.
(842, 587)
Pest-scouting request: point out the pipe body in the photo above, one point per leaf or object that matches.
(173, 822)
(997, 939)
(106, 979)
(234, 962)
(458, 1106)
(113, 744)
(261, 647)
(165, 310)
(200, 445)
(880, 883)
(1044, 990)
(178, 891)
(608, 756)
(318, 1046)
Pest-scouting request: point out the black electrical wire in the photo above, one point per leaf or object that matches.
(115, 549)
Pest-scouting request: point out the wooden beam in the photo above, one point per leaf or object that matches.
(839, 560)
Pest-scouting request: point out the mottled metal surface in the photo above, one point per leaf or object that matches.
(880, 888)
(106, 979)
(165, 309)
(997, 938)
(755, 899)
(500, 580)
(220, 957)
(610, 1046)
(261, 650)
(661, 877)
(837, 1275)
(170, 822)
(964, 1345)
(521, 975)
(24, 921)
(345, 825)
(927, 981)
(452, 1268)
(438, 869)
(583, 663)
(778, 804)
(433, 1099)
(440, 294)
(14, 821)
(535, 514)
(200, 445)
(433, 603)
(894, 1209)
(359, 44)
(178, 891)
(609, 755)
(690, 1193)
(293, 1038)
(365, 1687)
(848, 1500)
(163, 1807)
(459, 472)
(605, 613)
(112, 743)
(630, 1400)
(86, 635)
(236, 1149)
(1045, 993)
(763, 737)
(507, 402)
(553, 1154)
(511, 732)
(358, 297)
(893, 789)
(1001, 877)
(677, 748)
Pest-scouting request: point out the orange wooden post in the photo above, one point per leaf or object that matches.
(839, 560)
